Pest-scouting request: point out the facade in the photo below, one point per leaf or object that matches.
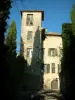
(31, 38)
(31, 49)
(52, 55)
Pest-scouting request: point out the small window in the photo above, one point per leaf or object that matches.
(52, 52)
(53, 67)
(29, 20)
(29, 52)
(29, 35)
(47, 68)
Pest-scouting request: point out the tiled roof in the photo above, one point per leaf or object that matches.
(53, 34)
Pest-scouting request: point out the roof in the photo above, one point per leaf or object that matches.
(33, 11)
(53, 34)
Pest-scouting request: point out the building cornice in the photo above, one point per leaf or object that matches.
(34, 11)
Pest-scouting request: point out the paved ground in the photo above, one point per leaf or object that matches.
(40, 95)
(50, 95)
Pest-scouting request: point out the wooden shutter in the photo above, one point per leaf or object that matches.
(48, 68)
(55, 52)
(53, 67)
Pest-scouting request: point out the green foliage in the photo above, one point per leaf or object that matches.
(66, 33)
(5, 5)
(21, 64)
(73, 14)
(66, 41)
(66, 57)
(16, 64)
(30, 80)
(11, 39)
(16, 68)
(73, 19)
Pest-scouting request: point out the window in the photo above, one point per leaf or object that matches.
(29, 19)
(29, 52)
(59, 68)
(53, 67)
(52, 52)
(47, 68)
(29, 35)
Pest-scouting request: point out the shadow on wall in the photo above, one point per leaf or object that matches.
(22, 47)
(34, 78)
(37, 58)
(36, 55)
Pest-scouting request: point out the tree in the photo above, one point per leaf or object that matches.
(16, 63)
(66, 61)
(72, 15)
(5, 6)
(10, 44)
(11, 40)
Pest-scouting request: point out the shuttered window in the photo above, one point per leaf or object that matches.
(53, 67)
(46, 68)
(52, 52)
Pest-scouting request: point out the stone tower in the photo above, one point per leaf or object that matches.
(31, 38)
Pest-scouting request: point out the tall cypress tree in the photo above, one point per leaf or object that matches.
(72, 15)
(67, 60)
(11, 40)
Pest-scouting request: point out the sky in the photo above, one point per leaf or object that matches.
(56, 12)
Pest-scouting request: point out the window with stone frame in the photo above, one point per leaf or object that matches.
(29, 52)
(46, 68)
(53, 67)
(29, 35)
(52, 52)
(29, 20)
